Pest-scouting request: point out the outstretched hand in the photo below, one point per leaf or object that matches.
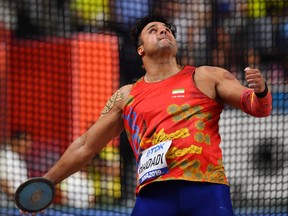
(254, 79)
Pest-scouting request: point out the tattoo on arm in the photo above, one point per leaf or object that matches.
(111, 102)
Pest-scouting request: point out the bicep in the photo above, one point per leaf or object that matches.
(110, 123)
(229, 90)
(106, 128)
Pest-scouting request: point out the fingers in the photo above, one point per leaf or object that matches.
(254, 80)
(31, 214)
(26, 213)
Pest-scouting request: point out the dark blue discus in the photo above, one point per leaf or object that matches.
(35, 194)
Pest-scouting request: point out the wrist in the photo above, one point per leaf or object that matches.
(263, 93)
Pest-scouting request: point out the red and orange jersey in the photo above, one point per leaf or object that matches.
(174, 109)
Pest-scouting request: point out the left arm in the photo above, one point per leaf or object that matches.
(255, 100)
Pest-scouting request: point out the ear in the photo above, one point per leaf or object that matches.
(140, 51)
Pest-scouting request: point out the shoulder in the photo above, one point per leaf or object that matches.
(211, 72)
(117, 101)
(123, 93)
(208, 78)
(125, 90)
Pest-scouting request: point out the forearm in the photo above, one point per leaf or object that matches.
(74, 158)
(258, 105)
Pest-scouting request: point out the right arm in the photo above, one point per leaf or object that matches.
(84, 148)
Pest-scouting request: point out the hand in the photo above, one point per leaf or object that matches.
(254, 79)
(31, 214)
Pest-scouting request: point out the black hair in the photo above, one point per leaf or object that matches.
(153, 17)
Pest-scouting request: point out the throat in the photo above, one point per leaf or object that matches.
(156, 78)
(159, 76)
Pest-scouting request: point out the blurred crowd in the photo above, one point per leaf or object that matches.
(230, 34)
(22, 158)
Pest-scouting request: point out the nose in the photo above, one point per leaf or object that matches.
(163, 30)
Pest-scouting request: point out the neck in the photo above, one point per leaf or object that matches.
(157, 71)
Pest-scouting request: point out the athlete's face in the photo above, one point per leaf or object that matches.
(156, 36)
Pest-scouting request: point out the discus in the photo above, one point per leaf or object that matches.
(35, 194)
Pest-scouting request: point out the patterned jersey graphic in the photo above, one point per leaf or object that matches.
(174, 109)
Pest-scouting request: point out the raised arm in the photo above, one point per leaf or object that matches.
(84, 148)
(221, 85)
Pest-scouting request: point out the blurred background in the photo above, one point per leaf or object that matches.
(61, 60)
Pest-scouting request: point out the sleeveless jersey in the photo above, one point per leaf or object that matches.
(175, 109)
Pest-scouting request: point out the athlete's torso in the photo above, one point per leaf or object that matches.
(174, 109)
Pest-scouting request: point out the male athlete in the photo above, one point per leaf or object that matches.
(171, 118)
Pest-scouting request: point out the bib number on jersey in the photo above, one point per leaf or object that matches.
(152, 162)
